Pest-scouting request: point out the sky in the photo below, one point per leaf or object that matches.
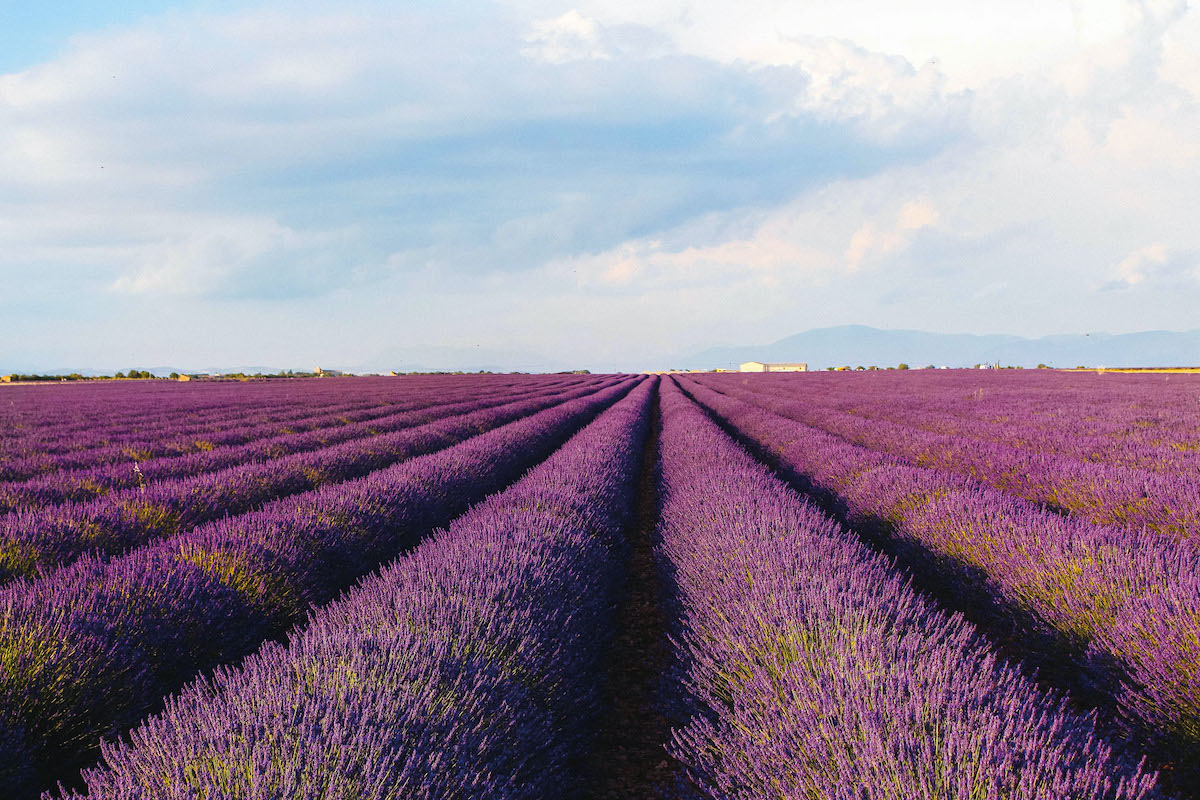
(590, 184)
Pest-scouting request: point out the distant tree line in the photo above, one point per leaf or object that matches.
(861, 368)
(74, 376)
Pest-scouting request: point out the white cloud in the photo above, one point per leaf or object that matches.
(567, 38)
(870, 243)
(882, 94)
(970, 42)
(1133, 268)
(812, 239)
(255, 257)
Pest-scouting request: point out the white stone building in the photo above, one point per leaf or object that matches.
(760, 366)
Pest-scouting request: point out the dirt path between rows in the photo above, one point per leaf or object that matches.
(629, 759)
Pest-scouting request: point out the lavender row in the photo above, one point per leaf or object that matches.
(1119, 610)
(63, 417)
(1117, 420)
(84, 484)
(174, 434)
(94, 648)
(468, 668)
(815, 670)
(47, 411)
(1143, 422)
(35, 541)
(1164, 501)
(167, 430)
(162, 431)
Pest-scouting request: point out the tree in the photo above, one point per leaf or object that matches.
(174, 376)
(1042, 366)
(902, 366)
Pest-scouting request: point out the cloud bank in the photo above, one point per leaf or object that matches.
(606, 183)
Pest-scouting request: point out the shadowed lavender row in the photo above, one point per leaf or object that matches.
(815, 670)
(1121, 609)
(1165, 500)
(90, 650)
(467, 669)
(80, 485)
(165, 432)
(31, 541)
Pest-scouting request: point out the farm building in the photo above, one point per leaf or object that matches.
(759, 366)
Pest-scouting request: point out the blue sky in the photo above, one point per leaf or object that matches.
(592, 184)
(32, 33)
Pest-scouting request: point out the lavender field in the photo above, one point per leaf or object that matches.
(969, 585)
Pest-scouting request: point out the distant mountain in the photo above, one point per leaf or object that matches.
(854, 345)
(849, 345)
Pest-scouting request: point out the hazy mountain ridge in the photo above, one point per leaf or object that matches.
(854, 345)
(845, 345)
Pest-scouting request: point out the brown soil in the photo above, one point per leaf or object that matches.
(629, 759)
